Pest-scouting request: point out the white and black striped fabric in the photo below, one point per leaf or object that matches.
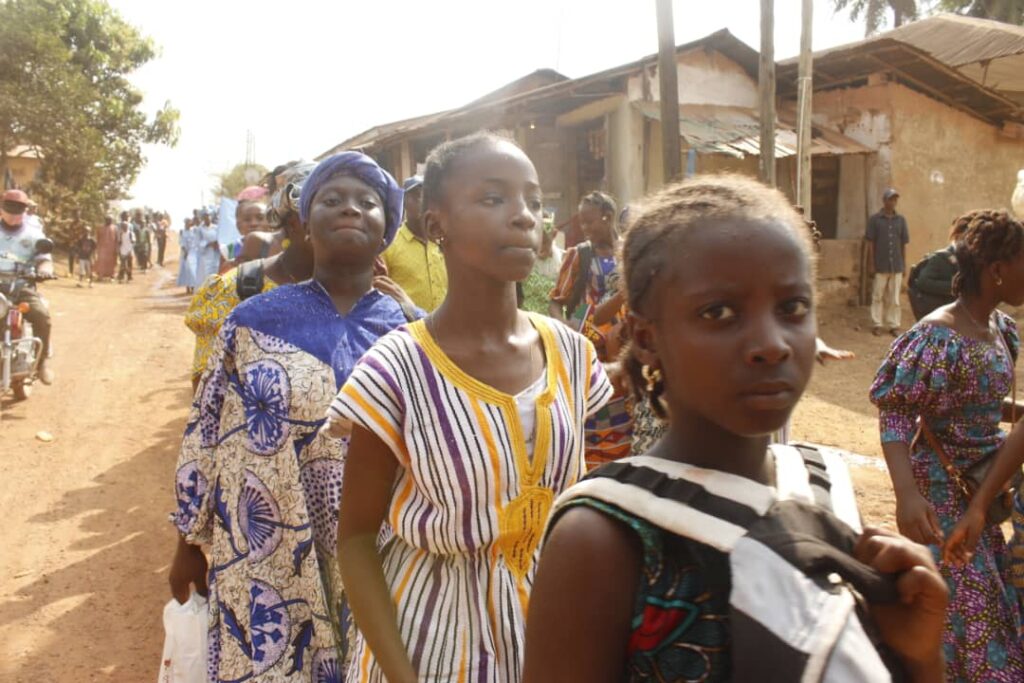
(796, 587)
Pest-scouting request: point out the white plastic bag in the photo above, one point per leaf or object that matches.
(185, 628)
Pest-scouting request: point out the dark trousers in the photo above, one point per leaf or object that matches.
(125, 268)
(161, 246)
(39, 315)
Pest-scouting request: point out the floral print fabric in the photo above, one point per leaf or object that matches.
(260, 482)
(957, 385)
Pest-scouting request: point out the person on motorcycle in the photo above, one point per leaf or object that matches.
(18, 238)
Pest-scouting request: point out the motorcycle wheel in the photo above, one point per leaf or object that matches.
(21, 390)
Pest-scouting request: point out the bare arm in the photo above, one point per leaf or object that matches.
(556, 311)
(572, 637)
(915, 516)
(370, 470)
(609, 309)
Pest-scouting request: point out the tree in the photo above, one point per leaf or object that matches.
(230, 183)
(64, 90)
(874, 12)
(1009, 11)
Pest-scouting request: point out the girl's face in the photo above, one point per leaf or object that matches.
(250, 218)
(490, 213)
(346, 222)
(732, 327)
(596, 227)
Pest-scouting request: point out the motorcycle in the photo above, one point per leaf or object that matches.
(20, 353)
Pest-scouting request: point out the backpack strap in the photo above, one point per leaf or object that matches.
(817, 475)
(250, 279)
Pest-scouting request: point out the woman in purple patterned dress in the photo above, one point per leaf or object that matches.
(952, 371)
(257, 478)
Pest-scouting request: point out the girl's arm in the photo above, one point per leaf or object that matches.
(581, 608)
(370, 470)
(1008, 459)
(605, 312)
(915, 516)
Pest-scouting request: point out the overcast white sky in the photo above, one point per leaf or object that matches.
(305, 74)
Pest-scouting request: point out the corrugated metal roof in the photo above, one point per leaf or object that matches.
(712, 129)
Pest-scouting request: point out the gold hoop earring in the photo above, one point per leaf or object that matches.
(652, 376)
(999, 281)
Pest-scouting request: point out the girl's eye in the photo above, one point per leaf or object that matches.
(796, 307)
(331, 201)
(492, 200)
(369, 204)
(718, 313)
(535, 205)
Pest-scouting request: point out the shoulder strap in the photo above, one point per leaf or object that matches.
(585, 254)
(250, 279)
(817, 473)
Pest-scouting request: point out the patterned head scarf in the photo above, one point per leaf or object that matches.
(357, 165)
(286, 186)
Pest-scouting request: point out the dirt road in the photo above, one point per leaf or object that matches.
(85, 541)
(85, 544)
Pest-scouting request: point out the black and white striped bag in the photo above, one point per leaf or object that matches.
(796, 588)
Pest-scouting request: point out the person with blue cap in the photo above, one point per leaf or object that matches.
(413, 260)
(258, 479)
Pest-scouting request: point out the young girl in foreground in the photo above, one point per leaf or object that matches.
(466, 427)
(718, 274)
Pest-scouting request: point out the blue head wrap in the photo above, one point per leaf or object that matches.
(357, 165)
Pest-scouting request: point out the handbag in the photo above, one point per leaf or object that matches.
(968, 481)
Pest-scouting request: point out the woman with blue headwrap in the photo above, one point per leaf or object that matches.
(257, 478)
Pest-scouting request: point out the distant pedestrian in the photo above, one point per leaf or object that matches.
(85, 250)
(75, 232)
(207, 249)
(160, 231)
(143, 240)
(188, 265)
(125, 248)
(887, 237)
(106, 250)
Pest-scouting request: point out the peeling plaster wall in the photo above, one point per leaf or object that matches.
(705, 77)
(944, 163)
(625, 163)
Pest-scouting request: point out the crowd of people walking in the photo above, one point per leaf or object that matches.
(403, 464)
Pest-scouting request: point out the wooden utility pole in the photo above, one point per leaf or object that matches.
(805, 97)
(766, 89)
(668, 93)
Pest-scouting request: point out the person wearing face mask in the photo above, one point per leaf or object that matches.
(18, 239)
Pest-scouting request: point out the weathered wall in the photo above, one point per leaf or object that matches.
(625, 162)
(944, 163)
(546, 146)
(704, 77)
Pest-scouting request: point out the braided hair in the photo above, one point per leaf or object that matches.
(983, 237)
(605, 204)
(657, 233)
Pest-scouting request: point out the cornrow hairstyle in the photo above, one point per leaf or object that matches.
(660, 226)
(604, 203)
(983, 237)
(442, 161)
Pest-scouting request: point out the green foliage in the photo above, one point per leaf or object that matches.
(874, 12)
(1009, 11)
(230, 183)
(64, 91)
(536, 290)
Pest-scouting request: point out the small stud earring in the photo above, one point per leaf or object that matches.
(652, 376)
(999, 281)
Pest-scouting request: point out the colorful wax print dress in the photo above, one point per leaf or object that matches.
(260, 482)
(470, 502)
(957, 384)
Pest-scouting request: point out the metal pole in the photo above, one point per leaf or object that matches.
(806, 95)
(668, 93)
(766, 89)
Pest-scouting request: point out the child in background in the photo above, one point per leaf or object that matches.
(85, 248)
(587, 298)
(718, 272)
(467, 425)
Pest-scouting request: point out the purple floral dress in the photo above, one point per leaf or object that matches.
(957, 384)
(260, 482)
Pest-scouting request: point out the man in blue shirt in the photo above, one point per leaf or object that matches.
(887, 237)
(18, 239)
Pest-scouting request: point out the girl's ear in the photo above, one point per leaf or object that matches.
(641, 333)
(432, 224)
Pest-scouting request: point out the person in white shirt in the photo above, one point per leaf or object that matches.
(125, 248)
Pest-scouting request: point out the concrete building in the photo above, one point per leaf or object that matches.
(885, 113)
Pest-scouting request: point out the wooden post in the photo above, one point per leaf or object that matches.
(805, 99)
(766, 89)
(668, 93)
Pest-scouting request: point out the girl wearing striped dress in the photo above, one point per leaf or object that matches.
(465, 427)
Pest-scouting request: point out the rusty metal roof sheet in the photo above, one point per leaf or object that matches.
(737, 131)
